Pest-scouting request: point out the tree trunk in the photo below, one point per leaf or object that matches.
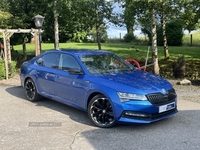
(97, 29)
(24, 51)
(56, 26)
(129, 29)
(154, 41)
(98, 40)
(166, 52)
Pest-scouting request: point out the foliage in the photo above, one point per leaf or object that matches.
(79, 37)
(4, 19)
(190, 15)
(102, 33)
(2, 69)
(174, 33)
(14, 69)
(5, 15)
(129, 15)
(75, 21)
(129, 37)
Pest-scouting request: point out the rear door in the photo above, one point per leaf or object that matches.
(47, 65)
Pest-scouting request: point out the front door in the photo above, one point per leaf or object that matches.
(70, 88)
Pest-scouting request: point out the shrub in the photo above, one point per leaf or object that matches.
(129, 37)
(3, 69)
(174, 34)
(179, 67)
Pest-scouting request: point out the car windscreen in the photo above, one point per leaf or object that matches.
(105, 63)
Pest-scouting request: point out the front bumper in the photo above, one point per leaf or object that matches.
(144, 112)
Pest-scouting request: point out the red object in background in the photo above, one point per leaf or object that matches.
(135, 63)
(1, 46)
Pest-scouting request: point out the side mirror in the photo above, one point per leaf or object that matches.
(75, 71)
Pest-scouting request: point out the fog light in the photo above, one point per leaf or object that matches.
(134, 114)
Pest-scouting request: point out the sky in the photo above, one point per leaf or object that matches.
(116, 31)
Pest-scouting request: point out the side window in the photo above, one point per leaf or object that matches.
(67, 62)
(49, 60)
(40, 61)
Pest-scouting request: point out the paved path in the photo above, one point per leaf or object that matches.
(48, 125)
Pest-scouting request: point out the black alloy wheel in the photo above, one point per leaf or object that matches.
(31, 91)
(100, 112)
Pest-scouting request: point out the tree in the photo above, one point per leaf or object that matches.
(142, 9)
(174, 33)
(5, 16)
(155, 12)
(56, 26)
(164, 8)
(167, 10)
(154, 37)
(65, 19)
(101, 13)
(129, 16)
(190, 15)
(103, 33)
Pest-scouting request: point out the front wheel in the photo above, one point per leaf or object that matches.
(100, 112)
(31, 91)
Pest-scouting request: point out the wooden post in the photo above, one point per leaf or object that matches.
(5, 55)
(7, 33)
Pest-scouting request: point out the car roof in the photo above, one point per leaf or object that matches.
(81, 52)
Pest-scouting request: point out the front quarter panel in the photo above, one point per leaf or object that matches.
(110, 94)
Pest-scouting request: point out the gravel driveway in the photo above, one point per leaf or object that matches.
(184, 92)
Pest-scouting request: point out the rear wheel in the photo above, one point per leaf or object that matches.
(31, 91)
(100, 112)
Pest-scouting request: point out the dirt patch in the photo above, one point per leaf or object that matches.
(15, 81)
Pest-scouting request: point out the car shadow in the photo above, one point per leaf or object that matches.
(176, 132)
(74, 114)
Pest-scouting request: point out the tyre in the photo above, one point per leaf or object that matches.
(100, 112)
(31, 91)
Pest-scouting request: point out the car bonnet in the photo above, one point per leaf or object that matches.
(137, 80)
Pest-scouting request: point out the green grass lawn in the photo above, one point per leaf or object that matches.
(124, 50)
(191, 54)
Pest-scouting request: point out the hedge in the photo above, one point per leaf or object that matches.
(3, 69)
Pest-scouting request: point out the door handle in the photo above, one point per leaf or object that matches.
(57, 77)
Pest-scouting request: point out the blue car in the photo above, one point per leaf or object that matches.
(101, 83)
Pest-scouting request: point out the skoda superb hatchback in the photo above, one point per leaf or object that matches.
(101, 83)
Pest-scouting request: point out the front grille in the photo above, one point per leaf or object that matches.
(160, 99)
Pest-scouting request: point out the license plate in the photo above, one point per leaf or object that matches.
(167, 107)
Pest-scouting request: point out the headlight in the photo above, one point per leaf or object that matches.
(130, 96)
